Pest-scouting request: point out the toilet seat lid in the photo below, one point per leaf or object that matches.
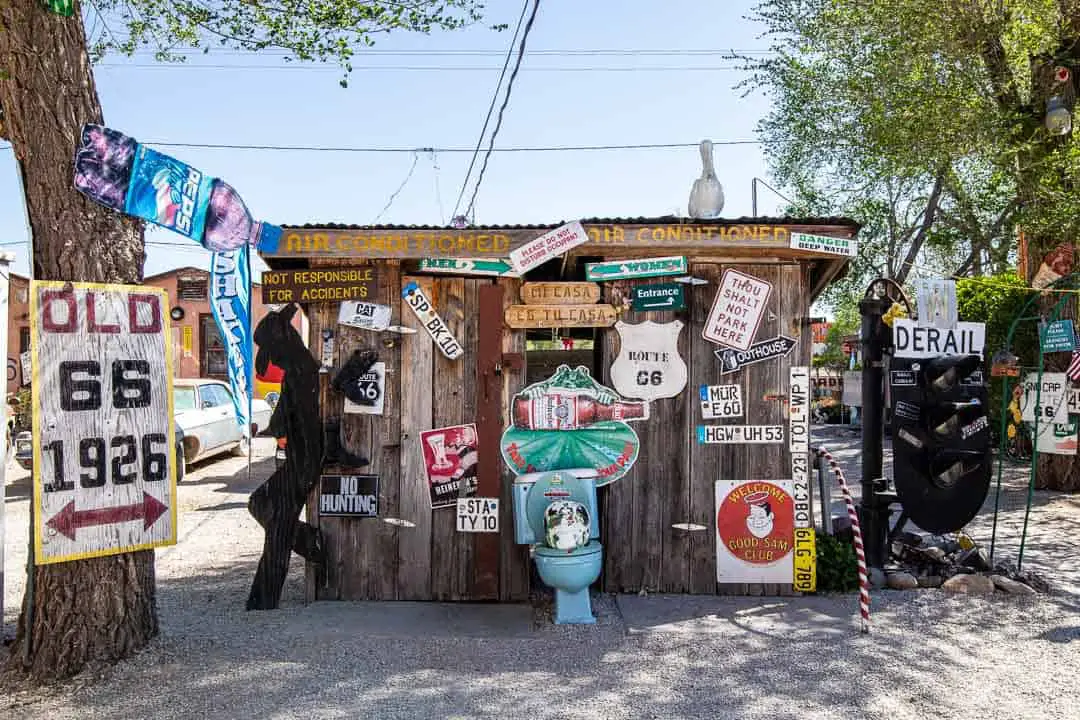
(549, 487)
(591, 549)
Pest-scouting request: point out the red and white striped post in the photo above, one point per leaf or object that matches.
(860, 553)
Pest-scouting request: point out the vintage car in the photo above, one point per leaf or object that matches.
(24, 450)
(205, 412)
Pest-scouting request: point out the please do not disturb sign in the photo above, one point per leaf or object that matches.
(478, 514)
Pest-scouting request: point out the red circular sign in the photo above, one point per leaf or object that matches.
(756, 522)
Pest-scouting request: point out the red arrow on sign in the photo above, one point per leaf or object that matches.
(68, 520)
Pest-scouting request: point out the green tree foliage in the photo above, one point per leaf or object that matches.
(923, 120)
(845, 322)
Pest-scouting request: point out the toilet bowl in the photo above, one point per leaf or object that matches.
(559, 508)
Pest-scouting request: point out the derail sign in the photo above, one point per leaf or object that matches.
(104, 463)
(913, 340)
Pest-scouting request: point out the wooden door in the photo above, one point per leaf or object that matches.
(414, 552)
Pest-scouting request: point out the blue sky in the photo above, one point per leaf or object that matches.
(272, 104)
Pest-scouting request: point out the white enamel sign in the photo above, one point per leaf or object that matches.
(737, 310)
(372, 385)
(1057, 438)
(720, 401)
(799, 441)
(104, 440)
(916, 340)
(648, 366)
(478, 514)
(419, 303)
(847, 247)
(549, 245)
(364, 315)
(740, 434)
(1053, 399)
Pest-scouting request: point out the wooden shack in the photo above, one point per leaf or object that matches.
(658, 521)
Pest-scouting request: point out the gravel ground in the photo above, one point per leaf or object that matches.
(930, 654)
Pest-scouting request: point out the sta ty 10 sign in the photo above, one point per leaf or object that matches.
(104, 463)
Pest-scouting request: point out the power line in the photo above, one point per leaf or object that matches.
(393, 195)
(490, 110)
(505, 102)
(417, 68)
(494, 53)
(357, 149)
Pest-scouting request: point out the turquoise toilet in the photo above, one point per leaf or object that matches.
(556, 513)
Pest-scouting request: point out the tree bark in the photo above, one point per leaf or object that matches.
(104, 609)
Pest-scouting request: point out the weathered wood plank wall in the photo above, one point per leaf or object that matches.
(420, 555)
(673, 479)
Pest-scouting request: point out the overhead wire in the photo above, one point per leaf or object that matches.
(393, 195)
(505, 102)
(490, 110)
(414, 68)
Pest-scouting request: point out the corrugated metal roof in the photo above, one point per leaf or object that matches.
(665, 220)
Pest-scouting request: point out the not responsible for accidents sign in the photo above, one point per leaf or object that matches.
(104, 459)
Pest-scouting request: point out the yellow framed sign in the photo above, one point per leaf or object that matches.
(104, 459)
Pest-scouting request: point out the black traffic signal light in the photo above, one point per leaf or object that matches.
(941, 439)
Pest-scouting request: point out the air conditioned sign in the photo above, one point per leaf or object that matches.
(913, 340)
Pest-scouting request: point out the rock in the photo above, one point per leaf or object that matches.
(975, 558)
(934, 553)
(931, 581)
(901, 581)
(970, 584)
(1012, 586)
(877, 578)
(909, 538)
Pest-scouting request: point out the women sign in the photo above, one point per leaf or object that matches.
(755, 531)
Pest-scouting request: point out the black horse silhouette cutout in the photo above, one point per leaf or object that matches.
(277, 503)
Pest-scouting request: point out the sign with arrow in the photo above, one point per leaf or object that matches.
(104, 438)
(733, 360)
(626, 269)
(468, 266)
(658, 298)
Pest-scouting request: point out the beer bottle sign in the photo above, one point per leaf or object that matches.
(570, 421)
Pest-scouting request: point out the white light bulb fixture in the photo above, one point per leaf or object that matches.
(1058, 117)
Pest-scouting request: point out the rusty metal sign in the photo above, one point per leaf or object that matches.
(318, 285)
(560, 316)
(560, 293)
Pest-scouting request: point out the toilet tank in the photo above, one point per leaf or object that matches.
(523, 534)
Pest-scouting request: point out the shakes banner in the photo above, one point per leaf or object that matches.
(230, 301)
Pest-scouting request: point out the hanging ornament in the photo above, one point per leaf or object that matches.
(707, 195)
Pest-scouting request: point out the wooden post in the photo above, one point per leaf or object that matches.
(489, 382)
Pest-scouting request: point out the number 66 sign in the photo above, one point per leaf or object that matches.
(104, 464)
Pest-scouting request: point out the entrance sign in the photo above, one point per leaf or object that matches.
(104, 458)
(349, 496)
(560, 293)
(468, 266)
(478, 515)
(318, 285)
(847, 247)
(740, 434)
(626, 269)
(560, 316)
(372, 385)
(436, 327)
(737, 310)
(666, 296)
(648, 365)
(735, 360)
(721, 401)
(1058, 337)
(547, 246)
(915, 340)
(755, 527)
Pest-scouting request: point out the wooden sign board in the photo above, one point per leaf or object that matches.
(104, 440)
(550, 245)
(560, 316)
(559, 293)
(318, 285)
(468, 266)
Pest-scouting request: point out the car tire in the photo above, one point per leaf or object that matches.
(180, 469)
(241, 449)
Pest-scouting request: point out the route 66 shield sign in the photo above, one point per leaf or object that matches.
(648, 365)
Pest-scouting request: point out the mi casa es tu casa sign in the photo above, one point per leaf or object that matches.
(318, 285)
(104, 460)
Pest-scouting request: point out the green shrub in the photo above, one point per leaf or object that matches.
(837, 566)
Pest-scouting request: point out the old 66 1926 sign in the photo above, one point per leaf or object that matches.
(104, 463)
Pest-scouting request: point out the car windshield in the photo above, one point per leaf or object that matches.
(183, 399)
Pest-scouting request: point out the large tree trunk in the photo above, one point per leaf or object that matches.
(102, 609)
